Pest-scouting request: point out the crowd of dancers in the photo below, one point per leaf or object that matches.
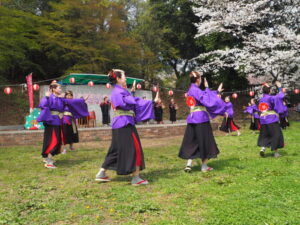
(125, 154)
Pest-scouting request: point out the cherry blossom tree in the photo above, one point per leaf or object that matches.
(267, 34)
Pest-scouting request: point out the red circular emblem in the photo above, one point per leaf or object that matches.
(263, 106)
(190, 101)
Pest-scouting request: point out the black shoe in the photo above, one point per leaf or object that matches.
(262, 153)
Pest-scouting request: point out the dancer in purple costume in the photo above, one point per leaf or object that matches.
(125, 154)
(270, 108)
(198, 140)
(52, 113)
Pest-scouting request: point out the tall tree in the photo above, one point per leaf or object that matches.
(268, 34)
(167, 28)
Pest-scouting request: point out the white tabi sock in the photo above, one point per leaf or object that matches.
(189, 163)
(204, 167)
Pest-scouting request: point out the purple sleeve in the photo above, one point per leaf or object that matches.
(129, 100)
(214, 105)
(77, 107)
(117, 100)
(249, 110)
(45, 115)
(279, 107)
(143, 109)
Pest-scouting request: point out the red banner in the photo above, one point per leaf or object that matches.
(30, 90)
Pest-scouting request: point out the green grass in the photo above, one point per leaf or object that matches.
(243, 188)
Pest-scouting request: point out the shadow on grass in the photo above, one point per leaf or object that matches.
(67, 163)
(270, 154)
(152, 175)
(222, 164)
(155, 175)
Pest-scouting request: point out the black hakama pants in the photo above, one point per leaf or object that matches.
(284, 122)
(125, 152)
(198, 142)
(52, 140)
(228, 125)
(255, 124)
(70, 135)
(271, 136)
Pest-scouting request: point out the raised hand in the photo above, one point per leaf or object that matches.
(220, 88)
(205, 83)
(278, 84)
(133, 86)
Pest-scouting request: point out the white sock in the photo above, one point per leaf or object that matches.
(189, 162)
(49, 161)
(101, 173)
(204, 167)
(263, 149)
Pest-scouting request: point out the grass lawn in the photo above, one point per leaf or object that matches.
(243, 188)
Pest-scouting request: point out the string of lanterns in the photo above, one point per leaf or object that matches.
(8, 90)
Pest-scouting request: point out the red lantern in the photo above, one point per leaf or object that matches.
(190, 101)
(108, 85)
(36, 87)
(251, 93)
(185, 95)
(283, 90)
(90, 83)
(8, 90)
(170, 93)
(72, 80)
(296, 91)
(234, 95)
(154, 89)
(138, 86)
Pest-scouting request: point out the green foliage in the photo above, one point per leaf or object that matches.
(167, 28)
(243, 188)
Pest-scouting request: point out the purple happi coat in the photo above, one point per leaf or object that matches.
(285, 113)
(122, 99)
(214, 105)
(252, 110)
(229, 109)
(77, 107)
(275, 103)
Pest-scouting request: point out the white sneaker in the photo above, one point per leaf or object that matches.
(276, 155)
(102, 179)
(208, 169)
(50, 166)
(64, 151)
